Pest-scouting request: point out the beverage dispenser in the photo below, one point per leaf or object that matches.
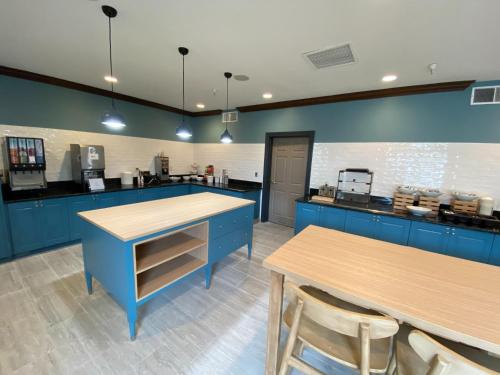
(25, 163)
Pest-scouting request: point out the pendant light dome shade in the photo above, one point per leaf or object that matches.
(226, 137)
(112, 118)
(183, 131)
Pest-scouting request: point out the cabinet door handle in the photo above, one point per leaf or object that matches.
(41, 204)
(36, 203)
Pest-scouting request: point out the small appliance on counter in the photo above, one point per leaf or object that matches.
(486, 206)
(162, 167)
(87, 163)
(224, 179)
(326, 193)
(127, 178)
(354, 185)
(25, 163)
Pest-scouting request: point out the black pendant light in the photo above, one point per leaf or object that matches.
(183, 131)
(226, 137)
(111, 118)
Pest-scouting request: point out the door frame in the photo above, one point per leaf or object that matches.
(268, 160)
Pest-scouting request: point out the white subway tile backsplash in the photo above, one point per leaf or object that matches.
(241, 160)
(471, 167)
(122, 153)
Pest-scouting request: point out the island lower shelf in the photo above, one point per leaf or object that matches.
(161, 261)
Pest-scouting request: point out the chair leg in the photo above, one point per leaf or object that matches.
(292, 337)
(297, 352)
(393, 361)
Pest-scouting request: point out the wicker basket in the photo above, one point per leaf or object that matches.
(402, 200)
(430, 203)
(465, 207)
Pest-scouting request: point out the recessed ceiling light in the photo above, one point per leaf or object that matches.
(200, 105)
(267, 95)
(389, 78)
(110, 79)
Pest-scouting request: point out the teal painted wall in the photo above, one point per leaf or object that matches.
(28, 103)
(439, 117)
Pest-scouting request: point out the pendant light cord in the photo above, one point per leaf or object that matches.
(111, 65)
(227, 97)
(183, 89)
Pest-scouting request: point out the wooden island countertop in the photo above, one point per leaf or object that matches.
(453, 298)
(137, 220)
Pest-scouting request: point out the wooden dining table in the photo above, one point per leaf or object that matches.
(450, 297)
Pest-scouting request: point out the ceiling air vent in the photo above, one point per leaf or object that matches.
(331, 56)
(485, 95)
(229, 116)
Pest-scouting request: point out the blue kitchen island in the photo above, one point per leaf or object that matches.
(138, 250)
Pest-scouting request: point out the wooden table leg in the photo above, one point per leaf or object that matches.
(274, 322)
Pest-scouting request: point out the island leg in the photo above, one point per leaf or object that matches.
(208, 275)
(88, 280)
(250, 240)
(249, 246)
(132, 317)
(274, 323)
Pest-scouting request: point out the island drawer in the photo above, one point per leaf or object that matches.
(226, 244)
(230, 221)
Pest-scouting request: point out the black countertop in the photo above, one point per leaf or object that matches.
(383, 206)
(69, 188)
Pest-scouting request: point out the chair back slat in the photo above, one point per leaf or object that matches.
(340, 320)
(441, 359)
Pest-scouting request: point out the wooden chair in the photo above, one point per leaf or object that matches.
(441, 360)
(348, 334)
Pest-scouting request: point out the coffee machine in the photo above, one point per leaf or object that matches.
(162, 167)
(87, 162)
(25, 162)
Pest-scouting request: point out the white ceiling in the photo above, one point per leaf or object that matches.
(263, 39)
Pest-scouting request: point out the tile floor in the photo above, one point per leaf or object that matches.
(50, 325)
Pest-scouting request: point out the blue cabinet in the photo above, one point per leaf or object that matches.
(5, 247)
(430, 237)
(313, 214)
(470, 244)
(200, 189)
(25, 226)
(380, 227)
(175, 191)
(54, 221)
(75, 205)
(457, 242)
(38, 224)
(305, 214)
(149, 194)
(495, 251)
(393, 229)
(127, 197)
(361, 223)
(105, 200)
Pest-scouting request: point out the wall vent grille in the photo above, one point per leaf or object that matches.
(229, 116)
(332, 56)
(485, 95)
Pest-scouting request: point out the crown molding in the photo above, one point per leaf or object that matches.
(362, 95)
(24, 74)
